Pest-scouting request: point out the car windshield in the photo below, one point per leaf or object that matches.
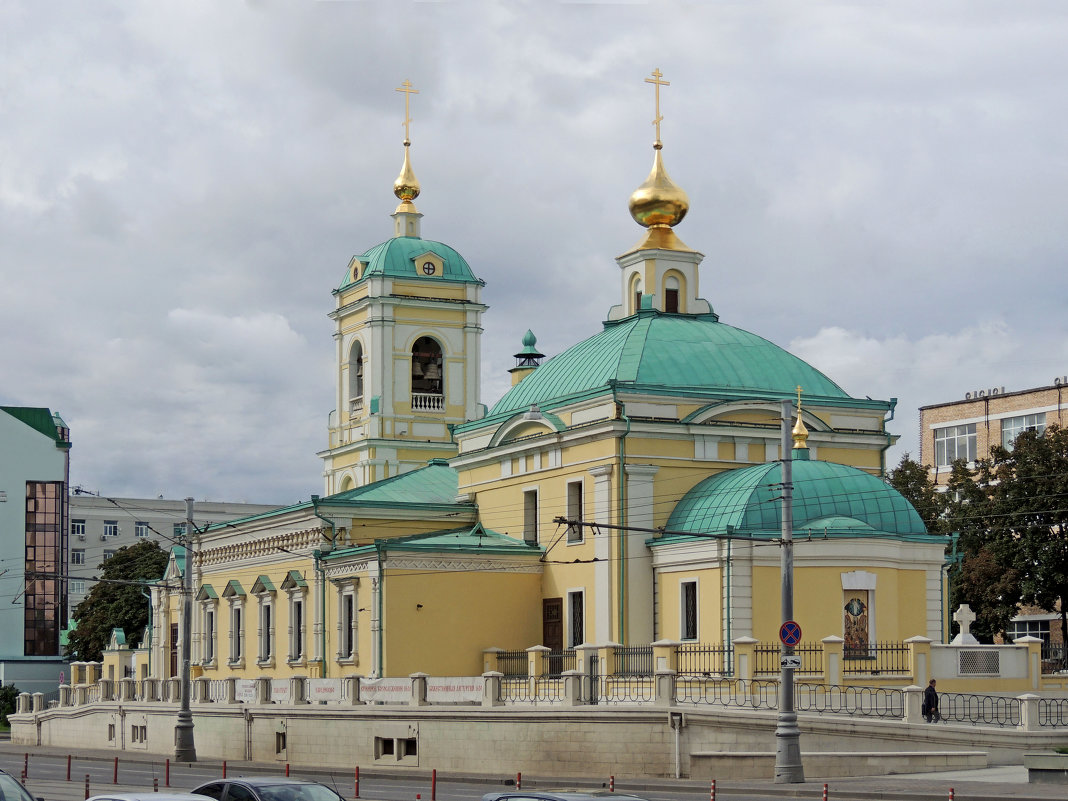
(297, 792)
(11, 790)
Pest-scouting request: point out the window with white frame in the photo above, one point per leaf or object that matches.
(346, 621)
(688, 610)
(1012, 427)
(264, 592)
(296, 589)
(530, 516)
(77, 529)
(77, 556)
(235, 597)
(108, 555)
(208, 635)
(576, 616)
(574, 511)
(76, 586)
(111, 528)
(178, 530)
(141, 529)
(954, 442)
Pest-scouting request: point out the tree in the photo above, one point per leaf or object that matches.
(913, 480)
(1029, 516)
(113, 603)
(9, 694)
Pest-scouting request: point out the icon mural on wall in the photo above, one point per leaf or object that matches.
(856, 627)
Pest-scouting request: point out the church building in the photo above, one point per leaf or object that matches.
(626, 490)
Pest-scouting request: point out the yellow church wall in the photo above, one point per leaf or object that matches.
(865, 459)
(462, 613)
(429, 289)
(709, 604)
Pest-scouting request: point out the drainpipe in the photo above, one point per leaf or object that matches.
(379, 660)
(621, 520)
(889, 440)
(727, 627)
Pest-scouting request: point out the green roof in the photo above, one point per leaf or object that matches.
(397, 258)
(39, 419)
(470, 539)
(437, 483)
(828, 499)
(207, 593)
(693, 355)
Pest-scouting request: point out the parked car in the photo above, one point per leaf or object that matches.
(267, 788)
(558, 795)
(12, 790)
(148, 795)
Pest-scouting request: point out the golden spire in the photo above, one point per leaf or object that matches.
(406, 187)
(800, 433)
(659, 204)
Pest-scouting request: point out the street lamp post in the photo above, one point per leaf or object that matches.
(788, 767)
(184, 749)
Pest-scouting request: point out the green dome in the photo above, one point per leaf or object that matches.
(397, 258)
(828, 498)
(671, 354)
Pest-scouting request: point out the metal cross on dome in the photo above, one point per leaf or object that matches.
(406, 87)
(655, 80)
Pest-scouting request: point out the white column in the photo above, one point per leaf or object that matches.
(602, 551)
(639, 559)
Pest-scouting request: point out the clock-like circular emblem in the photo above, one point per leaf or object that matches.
(429, 268)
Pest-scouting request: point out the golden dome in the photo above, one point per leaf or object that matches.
(406, 187)
(800, 433)
(659, 201)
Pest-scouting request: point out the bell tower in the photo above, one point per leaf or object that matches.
(408, 324)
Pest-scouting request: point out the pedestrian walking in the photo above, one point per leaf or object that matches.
(930, 703)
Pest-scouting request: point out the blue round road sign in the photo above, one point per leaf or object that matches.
(790, 633)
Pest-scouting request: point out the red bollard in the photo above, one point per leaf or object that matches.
(224, 768)
(712, 792)
(287, 769)
(68, 767)
(434, 785)
(519, 781)
(611, 784)
(950, 794)
(22, 778)
(155, 784)
(86, 785)
(825, 792)
(167, 775)
(115, 777)
(356, 783)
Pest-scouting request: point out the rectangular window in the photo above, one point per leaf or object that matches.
(266, 631)
(108, 555)
(77, 586)
(209, 634)
(141, 529)
(77, 556)
(77, 529)
(576, 614)
(179, 530)
(45, 596)
(296, 624)
(688, 611)
(1012, 427)
(237, 636)
(111, 528)
(574, 511)
(954, 442)
(348, 610)
(671, 301)
(530, 516)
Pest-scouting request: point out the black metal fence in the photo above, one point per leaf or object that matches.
(877, 702)
(993, 710)
(766, 658)
(558, 661)
(513, 663)
(703, 659)
(634, 660)
(876, 658)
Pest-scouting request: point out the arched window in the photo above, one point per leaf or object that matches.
(426, 375)
(671, 295)
(356, 378)
(636, 292)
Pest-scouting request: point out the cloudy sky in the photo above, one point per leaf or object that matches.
(880, 188)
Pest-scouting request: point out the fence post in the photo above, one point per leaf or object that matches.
(489, 660)
(231, 690)
(744, 657)
(573, 687)
(833, 665)
(606, 655)
(65, 695)
(263, 690)
(418, 689)
(913, 702)
(298, 690)
(25, 703)
(919, 660)
(666, 655)
(665, 687)
(354, 689)
(1034, 660)
(537, 665)
(491, 688)
(1029, 713)
(38, 702)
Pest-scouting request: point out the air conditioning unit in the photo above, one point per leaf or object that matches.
(103, 537)
(80, 536)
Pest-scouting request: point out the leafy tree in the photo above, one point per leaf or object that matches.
(913, 481)
(8, 698)
(112, 603)
(1029, 516)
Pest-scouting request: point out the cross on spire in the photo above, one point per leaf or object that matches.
(799, 397)
(406, 87)
(655, 80)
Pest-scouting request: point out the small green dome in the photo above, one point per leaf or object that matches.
(671, 354)
(828, 498)
(398, 258)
